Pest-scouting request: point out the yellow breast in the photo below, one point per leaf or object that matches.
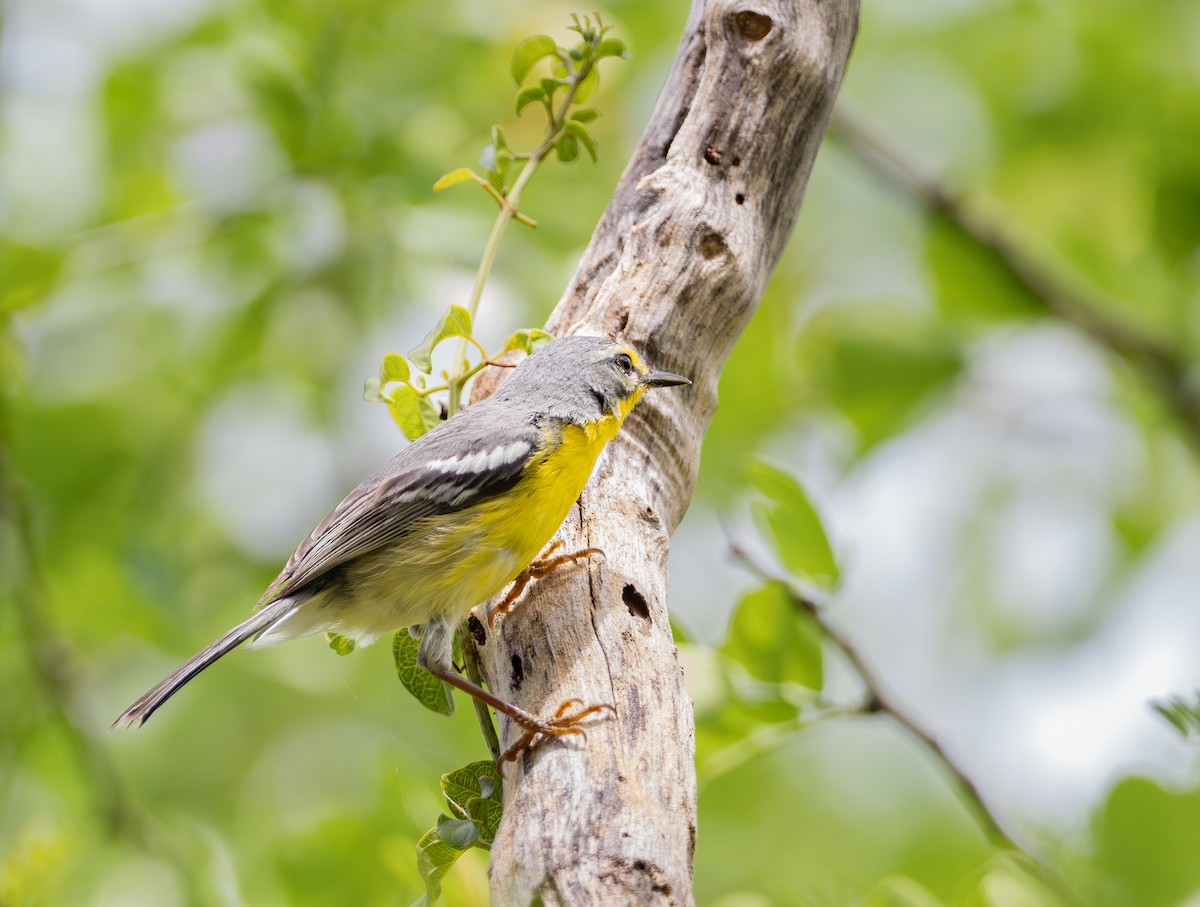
(459, 560)
(524, 520)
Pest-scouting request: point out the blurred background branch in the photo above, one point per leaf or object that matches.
(880, 701)
(52, 661)
(1164, 366)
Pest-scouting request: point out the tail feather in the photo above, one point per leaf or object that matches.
(262, 620)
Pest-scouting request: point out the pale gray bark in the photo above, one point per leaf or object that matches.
(675, 269)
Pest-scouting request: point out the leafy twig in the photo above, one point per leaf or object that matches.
(577, 67)
(1161, 364)
(879, 701)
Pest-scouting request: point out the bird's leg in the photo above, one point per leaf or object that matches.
(543, 566)
(434, 656)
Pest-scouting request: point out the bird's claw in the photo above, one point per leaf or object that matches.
(542, 567)
(563, 722)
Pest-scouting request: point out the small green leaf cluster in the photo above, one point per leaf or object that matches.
(771, 666)
(1183, 715)
(403, 382)
(569, 80)
(474, 796)
(776, 641)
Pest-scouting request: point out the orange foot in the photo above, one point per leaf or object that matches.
(564, 722)
(543, 566)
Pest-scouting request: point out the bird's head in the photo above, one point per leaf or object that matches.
(584, 379)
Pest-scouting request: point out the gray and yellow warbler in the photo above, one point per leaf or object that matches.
(451, 520)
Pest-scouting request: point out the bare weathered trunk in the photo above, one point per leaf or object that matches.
(675, 269)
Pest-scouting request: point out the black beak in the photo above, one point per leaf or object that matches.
(664, 379)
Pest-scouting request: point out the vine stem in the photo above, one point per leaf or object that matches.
(470, 657)
(485, 269)
(461, 371)
(879, 701)
(511, 203)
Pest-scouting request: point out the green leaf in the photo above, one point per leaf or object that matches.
(404, 404)
(430, 414)
(343, 645)
(455, 323)
(1145, 844)
(435, 856)
(460, 175)
(528, 96)
(458, 833)
(373, 391)
(585, 138)
(475, 792)
(587, 85)
(775, 640)
(475, 798)
(527, 339)
(794, 526)
(585, 114)
(394, 368)
(527, 54)
(430, 691)
(567, 148)
(500, 142)
(496, 165)
(611, 47)
(496, 157)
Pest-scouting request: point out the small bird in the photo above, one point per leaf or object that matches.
(451, 520)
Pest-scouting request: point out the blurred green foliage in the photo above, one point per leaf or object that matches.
(233, 202)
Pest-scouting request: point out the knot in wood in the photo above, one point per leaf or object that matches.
(751, 25)
(712, 244)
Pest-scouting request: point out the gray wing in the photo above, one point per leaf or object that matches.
(456, 466)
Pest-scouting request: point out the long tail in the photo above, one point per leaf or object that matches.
(170, 685)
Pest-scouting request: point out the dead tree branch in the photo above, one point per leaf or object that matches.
(675, 268)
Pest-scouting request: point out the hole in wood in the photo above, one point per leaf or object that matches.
(712, 245)
(635, 602)
(753, 26)
(518, 671)
(712, 155)
(475, 628)
(740, 199)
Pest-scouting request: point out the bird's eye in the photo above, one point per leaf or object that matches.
(625, 362)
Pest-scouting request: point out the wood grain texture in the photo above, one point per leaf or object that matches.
(675, 269)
